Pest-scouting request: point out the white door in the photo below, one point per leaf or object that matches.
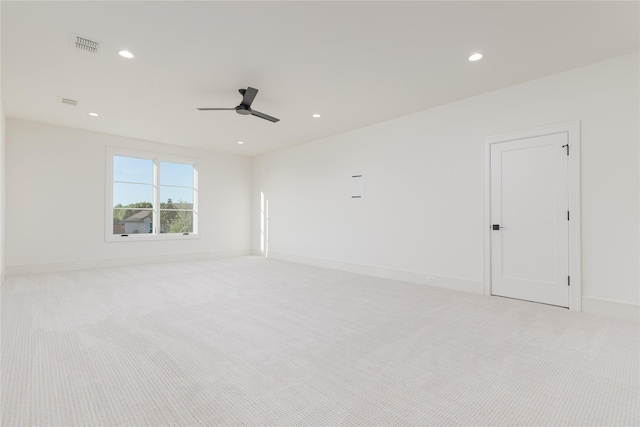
(529, 219)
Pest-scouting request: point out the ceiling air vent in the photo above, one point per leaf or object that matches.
(68, 101)
(84, 43)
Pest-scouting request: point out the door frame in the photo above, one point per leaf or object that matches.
(572, 128)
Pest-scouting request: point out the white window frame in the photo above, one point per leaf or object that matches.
(157, 158)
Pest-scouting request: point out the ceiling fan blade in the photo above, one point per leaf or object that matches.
(248, 96)
(264, 116)
(208, 109)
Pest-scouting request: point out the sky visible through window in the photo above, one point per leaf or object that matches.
(133, 181)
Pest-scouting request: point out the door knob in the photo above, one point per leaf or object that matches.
(497, 227)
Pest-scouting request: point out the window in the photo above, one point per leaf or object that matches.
(150, 196)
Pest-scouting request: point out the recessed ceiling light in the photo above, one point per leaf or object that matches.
(93, 114)
(475, 57)
(317, 116)
(240, 142)
(126, 54)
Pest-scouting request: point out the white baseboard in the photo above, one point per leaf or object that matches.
(404, 276)
(610, 308)
(13, 270)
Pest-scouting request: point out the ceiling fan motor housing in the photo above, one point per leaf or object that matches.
(241, 109)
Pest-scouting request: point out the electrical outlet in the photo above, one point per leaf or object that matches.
(339, 266)
(81, 264)
(431, 280)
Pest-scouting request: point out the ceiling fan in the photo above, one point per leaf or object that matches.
(244, 107)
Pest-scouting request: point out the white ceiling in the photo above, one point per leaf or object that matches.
(356, 63)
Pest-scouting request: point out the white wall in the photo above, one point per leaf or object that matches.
(55, 199)
(2, 191)
(422, 212)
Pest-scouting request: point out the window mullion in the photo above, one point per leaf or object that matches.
(156, 196)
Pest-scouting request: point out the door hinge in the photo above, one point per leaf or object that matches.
(567, 215)
(566, 145)
(568, 280)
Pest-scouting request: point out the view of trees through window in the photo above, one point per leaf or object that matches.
(133, 195)
(176, 217)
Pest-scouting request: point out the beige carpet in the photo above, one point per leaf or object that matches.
(251, 341)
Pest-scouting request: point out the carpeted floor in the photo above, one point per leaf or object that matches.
(251, 341)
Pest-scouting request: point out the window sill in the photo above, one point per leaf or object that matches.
(149, 237)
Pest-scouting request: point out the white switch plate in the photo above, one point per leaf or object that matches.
(357, 186)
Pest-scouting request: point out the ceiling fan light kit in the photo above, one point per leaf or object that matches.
(244, 108)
